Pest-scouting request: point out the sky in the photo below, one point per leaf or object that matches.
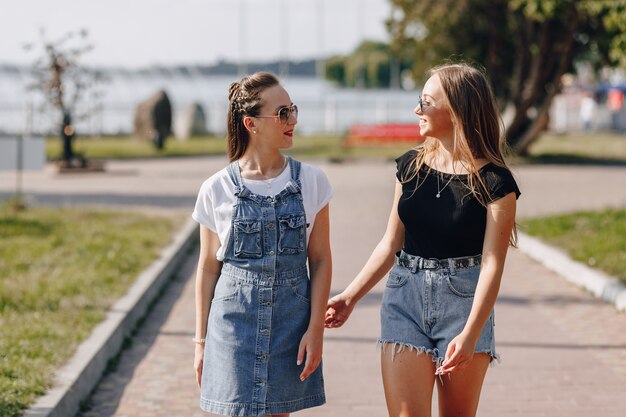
(139, 33)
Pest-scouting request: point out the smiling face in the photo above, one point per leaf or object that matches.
(435, 119)
(270, 130)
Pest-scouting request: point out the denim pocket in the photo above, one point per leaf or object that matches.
(247, 238)
(292, 232)
(464, 281)
(302, 290)
(225, 289)
(395, 280)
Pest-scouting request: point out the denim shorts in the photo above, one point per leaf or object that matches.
(426, 303)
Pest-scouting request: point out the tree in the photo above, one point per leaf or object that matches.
(371, 65)
(526, 46)
(64, 82)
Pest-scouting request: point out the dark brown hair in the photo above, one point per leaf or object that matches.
(244, 99)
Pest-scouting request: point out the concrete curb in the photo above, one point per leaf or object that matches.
(597, 282)
(78, 377)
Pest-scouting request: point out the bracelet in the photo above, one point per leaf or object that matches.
(199, 341)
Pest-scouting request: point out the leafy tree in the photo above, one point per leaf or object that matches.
(526, 46)
(370, 66)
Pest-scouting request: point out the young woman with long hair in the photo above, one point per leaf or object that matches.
(452, 220)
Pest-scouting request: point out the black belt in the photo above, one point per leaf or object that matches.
(414, 262)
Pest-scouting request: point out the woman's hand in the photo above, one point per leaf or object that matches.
(459, 355)
(311, 345)
(198, 361)
(338, 310)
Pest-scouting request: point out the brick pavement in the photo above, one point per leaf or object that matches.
(564, 352)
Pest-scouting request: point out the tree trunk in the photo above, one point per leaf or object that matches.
(543, 79)
(67, 134)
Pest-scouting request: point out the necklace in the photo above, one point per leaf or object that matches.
(439, 190)
(263, 177)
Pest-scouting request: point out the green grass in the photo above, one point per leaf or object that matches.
(60, 269)
(597, 239)
(573, 148)
(579, 148)
(123, 147)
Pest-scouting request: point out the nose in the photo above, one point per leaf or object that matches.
(293, 119)
(417, 110)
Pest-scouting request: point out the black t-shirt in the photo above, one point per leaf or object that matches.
(452, 225)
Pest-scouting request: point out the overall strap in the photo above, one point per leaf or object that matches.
(295, 170)
(235, 176)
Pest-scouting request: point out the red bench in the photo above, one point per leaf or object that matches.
(383, 134)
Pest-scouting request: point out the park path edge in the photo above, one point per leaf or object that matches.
(74, 381)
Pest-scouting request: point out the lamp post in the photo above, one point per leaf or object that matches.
(243, 64)
(283, 14)
(360, 15)
(321, 65)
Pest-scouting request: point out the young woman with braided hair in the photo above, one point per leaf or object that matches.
(259, 309)
(451, 223)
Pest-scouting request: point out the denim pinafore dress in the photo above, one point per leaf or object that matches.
(261, 309)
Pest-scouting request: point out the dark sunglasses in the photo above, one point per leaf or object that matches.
(284, 113)
(421, 105)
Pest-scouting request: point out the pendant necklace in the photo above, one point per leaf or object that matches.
(444, 187)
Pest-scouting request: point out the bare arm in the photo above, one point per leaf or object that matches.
(500, 221)
(320, 266)
(378, 264)
(207, 274)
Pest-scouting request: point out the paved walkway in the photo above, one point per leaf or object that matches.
(564, 352)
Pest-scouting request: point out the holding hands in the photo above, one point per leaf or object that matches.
(338, 310)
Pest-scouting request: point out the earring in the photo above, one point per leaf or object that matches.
(254, 131)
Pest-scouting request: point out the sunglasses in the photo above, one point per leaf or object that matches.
(421, 105)
(284, 113)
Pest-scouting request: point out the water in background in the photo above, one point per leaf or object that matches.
(323, 107)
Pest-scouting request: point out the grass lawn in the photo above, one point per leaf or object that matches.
(595, 238)
(579, 148)
(126, 147)
(60, 269)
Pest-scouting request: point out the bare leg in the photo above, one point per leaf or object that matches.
(459, 392)
(408, 380)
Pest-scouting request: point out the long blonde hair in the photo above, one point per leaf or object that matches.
(478, 127)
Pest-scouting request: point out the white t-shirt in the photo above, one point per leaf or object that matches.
(214, 207)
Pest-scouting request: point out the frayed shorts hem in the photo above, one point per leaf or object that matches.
(398, 347)
(248, 409)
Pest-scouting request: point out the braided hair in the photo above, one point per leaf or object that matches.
(244, 99)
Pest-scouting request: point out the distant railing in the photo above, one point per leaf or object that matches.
(334, 115)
